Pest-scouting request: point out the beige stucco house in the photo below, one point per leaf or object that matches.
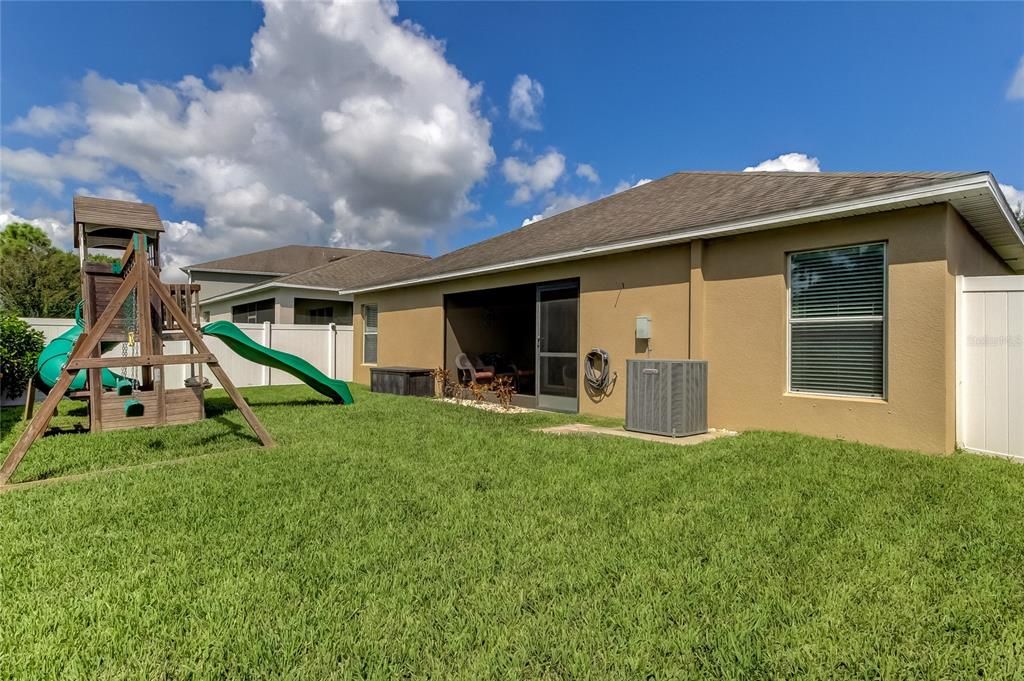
(290, 284)
(824, 303)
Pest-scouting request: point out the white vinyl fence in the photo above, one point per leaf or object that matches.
(327, 347)
(990, 363)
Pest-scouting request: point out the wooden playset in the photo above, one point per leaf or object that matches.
(126, 303)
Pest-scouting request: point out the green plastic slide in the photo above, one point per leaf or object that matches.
(246, 347)
(55, 355)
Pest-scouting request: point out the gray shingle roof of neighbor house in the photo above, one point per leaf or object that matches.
(281, 260)
(340, 274)
(354, 270)
(690, 205)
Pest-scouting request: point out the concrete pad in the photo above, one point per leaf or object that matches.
(585, 429)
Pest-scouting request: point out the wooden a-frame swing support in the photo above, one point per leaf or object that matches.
(84, 356)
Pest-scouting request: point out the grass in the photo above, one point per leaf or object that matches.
(405, 538)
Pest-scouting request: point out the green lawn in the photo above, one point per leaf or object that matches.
(402, 537)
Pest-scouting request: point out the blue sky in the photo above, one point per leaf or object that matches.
(354, 127)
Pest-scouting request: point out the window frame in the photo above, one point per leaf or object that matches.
(882, 318)
(317, 314)
(255, 312)
(375, 332)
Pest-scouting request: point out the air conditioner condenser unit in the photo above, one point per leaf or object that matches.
(667, 397)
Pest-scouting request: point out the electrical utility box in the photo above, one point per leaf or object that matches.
(667, 397)
(643, 328)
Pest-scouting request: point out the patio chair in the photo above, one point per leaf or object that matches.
(472, 370)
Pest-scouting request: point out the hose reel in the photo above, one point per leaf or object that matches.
(597, 370)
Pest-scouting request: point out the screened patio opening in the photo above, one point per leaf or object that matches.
(494, 328)
(527, 333)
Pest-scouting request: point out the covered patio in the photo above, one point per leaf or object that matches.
(528, 333)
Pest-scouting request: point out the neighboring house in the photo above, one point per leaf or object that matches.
(291, 284)
(824, 303)
(218, 277)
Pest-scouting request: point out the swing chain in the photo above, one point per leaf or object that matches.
(130, 319)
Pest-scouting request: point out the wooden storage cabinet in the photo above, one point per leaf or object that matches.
(402, 381)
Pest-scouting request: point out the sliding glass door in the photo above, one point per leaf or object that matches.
(558, 346)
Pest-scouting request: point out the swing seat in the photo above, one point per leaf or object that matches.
(134, 408)
(124, 387)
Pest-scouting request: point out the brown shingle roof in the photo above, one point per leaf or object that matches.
(93, 211)
(281, 260)
(674, 204)
(353, 271)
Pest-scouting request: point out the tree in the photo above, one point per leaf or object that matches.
(38, 279)
(20, 345)
(1018, 210)
(105, 259)
(22, 234)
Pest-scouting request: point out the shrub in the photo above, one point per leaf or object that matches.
(444, 385)
(440, 376)
(505, 390)
(479, 391)
(20, 346)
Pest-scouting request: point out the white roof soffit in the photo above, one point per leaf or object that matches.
(237, 293)
(991, 217)
(977, 198)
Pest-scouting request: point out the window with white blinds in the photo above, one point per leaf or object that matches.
(369, 334)
(837, 321)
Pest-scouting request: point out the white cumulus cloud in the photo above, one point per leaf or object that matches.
(559, 203)
(587, 172)
(58, 230)
(524, 102)
(48, 171)
(1014, 197)
(109, 192)
(347, 126)
(1016, 88)
(535, 177)
(47, 120)
(623, 185)
(792, 162)
(181, 245)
